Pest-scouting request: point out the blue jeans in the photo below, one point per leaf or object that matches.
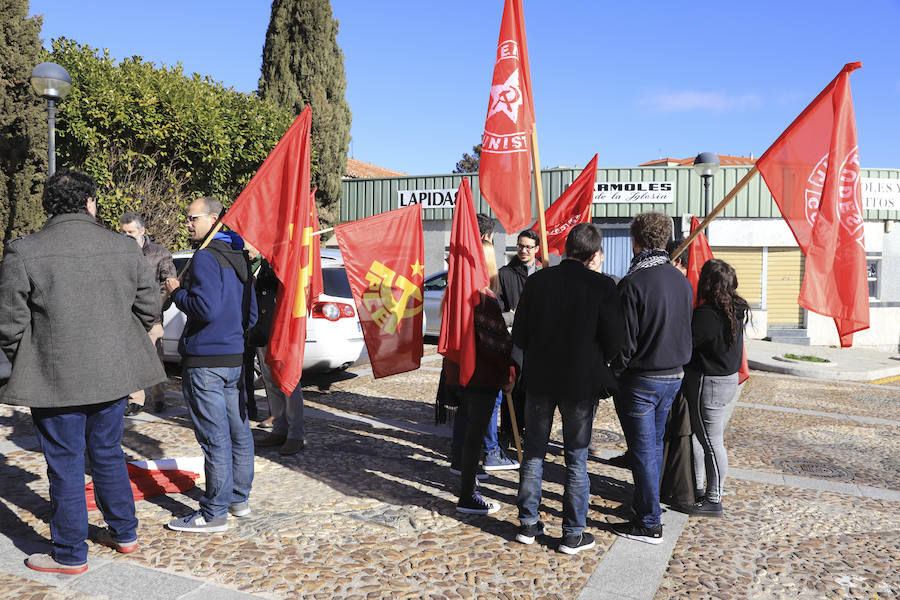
(489, 441)
(577, 420)
(643, 405)
(223, 432)
(64, 434)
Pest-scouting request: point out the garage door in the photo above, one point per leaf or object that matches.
(747, 263)
(785, 275)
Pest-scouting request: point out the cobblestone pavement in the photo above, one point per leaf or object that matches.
(367, 511)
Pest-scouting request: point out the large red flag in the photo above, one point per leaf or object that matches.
(571, 208)
(386, 274)
(466, 277)
(504, 169)
(699, 253)
(276, 213)
(812, 171)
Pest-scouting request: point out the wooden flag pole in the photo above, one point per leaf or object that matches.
(539, 191)
(321, 231)
(715, 212)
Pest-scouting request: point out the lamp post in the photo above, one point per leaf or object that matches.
(52, 82)
(706, 164)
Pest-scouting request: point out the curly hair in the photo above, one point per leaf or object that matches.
(651, 230)
(67, 191)
(718, 287)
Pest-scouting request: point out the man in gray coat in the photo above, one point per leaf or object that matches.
(75, 303)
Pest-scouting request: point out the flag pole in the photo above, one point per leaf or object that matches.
(539, 191)
(715, 212)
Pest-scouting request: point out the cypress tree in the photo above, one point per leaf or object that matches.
(302, 64)
(23, 123)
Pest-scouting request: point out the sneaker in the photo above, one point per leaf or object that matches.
(47, 564)
(103, 537)
(239, 509)
(635, 531)
(480, 474)
(197, 523)
(291, 447)
(573, 544)
(595, 451)
(623, 461)
(133, 408)
(527, 533)
(704, 508)
(476, 505)
(498, 461)
(270, 441)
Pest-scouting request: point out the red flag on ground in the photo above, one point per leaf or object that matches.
(571, 208)
(812, 171)
(504, 169)
(276, 213)
(466, 277)
(386, 275)
(149, 483)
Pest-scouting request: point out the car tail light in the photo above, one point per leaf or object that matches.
(332, 311)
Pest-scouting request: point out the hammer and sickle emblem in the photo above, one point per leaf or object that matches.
(387, 311)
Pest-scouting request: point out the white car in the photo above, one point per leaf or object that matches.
(333, 335)
(434, 287)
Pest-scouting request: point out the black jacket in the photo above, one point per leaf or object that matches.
(569, 324)
(512, 280)
(657, 304)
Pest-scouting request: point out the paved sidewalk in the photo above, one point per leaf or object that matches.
(845, 364)
(367, 511)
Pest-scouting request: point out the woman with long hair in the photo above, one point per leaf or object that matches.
(712, 377)
(494, 369)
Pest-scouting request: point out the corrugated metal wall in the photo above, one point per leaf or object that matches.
(366, 197)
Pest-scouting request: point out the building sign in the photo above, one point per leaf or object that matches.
(634, 192)
(427, 198)
(880, 193)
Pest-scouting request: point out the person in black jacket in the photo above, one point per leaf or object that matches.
(568, 324)
(656, 302)
(711, 378)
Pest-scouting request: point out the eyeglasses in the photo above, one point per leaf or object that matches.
(524, 247)
(192, 218)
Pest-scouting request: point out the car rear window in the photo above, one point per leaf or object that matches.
(336, 283)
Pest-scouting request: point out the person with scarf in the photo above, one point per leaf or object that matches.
(657, 302)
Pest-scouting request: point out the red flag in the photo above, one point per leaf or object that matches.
(571, 208)
(505, 166)
(697, 257)
(276, 213)
(386, 275)
(699, 254)
(812, 171)
(466, 277)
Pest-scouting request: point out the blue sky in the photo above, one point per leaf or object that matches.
(632, 81)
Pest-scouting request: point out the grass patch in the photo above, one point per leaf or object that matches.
(807, 358)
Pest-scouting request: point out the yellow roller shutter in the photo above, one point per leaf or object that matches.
(785, 274)
(747, 263)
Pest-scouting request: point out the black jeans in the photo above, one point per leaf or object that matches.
(479, 403)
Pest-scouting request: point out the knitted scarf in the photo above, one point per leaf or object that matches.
(647, 259)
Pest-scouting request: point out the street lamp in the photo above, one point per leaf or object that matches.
(52, 82)
(706, 164)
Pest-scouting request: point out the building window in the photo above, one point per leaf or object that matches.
(873, 275)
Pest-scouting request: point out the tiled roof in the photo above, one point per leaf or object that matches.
(724, 159)
(358, 169)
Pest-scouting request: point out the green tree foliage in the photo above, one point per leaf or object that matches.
(469, 162)
(23, 123)
(302, 64)
(154, 139)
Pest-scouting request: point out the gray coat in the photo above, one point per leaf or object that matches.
(76, 301)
